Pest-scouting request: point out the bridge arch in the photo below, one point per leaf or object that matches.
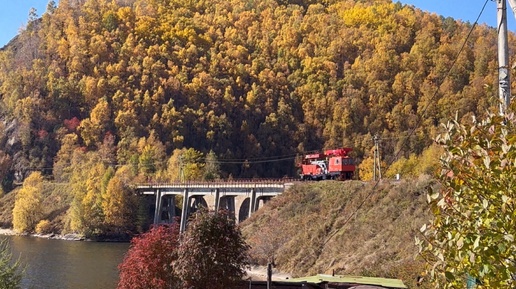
(227, 203)
(196, 203)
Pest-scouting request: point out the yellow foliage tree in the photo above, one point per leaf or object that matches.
(27, 210)
(85, 215)
(403, 167)
(152, 154)
(425, 164)
(43, 227)
(62, 162)
(118, 205)
(92, 129)
(186, 165)
(93, 214)
(366, 169)
(430, 160)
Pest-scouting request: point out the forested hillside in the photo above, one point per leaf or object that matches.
(96, 94)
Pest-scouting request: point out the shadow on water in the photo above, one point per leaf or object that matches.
(68, 264)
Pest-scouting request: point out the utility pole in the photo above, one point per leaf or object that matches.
(377, 164)
(504, 80)
(270, 264)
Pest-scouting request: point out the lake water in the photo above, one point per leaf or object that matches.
(63, 264)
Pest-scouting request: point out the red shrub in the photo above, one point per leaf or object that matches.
(148, 263)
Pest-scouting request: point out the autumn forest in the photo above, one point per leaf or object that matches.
(98, 94)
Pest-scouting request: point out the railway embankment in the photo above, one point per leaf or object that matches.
(352, 227)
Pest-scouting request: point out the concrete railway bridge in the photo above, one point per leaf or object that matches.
(239, 198)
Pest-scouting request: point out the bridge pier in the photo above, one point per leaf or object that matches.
(184, 213)
(252, 207)
(217, 200)
(157, 209)
(262, 200)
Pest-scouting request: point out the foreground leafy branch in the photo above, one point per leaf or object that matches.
(472, 234)
(10, 270)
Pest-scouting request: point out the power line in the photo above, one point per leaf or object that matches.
(261, 160)
(254, 162)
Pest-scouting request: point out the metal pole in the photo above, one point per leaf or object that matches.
(504, 81)
(379, 159)
(377, 163)
(374, 161)
(269, 275)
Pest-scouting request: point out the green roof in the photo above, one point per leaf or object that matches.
(385, 282)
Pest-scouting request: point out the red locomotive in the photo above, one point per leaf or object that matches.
(335, 164)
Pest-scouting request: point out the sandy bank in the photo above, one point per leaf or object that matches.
(7, 232)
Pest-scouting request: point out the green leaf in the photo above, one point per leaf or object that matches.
(449, 275)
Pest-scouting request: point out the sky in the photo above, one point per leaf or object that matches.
(14, 13)
(466, 10)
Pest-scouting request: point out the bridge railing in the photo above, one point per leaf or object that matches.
(218, 183)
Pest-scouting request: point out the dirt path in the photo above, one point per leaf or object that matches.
(259, 273)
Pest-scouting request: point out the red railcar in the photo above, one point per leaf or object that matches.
(335, 164)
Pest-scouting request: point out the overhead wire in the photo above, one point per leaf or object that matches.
(248, 161)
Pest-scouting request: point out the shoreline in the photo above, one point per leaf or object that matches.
(67, 237)
(7, 232)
